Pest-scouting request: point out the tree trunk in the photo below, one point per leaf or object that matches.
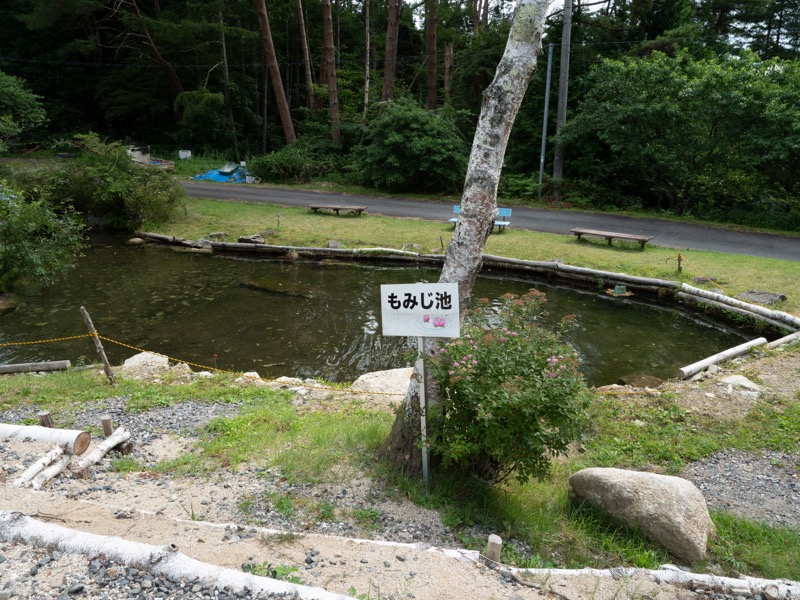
(366, 56)
(306, 56)
(274, 71)
(448, 71)
(390, 53)
(227, 77)
(501, 102)
(329, 57)
(561, 109)
(73, 440)
(430, 43)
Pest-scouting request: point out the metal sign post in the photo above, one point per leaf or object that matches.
(421, 310)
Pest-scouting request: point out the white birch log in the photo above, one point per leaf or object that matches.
(696, 300)
(38, 465)
(47, 474)
(158, 560)
(784, 340)
(779, 588)
(119, 436)
(695, 368)
(754, 308)
(74, 441)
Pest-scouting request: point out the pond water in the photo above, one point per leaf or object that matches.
(306, 319)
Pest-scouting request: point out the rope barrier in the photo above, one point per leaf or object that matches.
(95, 334)
(710, 279)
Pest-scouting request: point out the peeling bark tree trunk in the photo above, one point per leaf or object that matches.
(501, 102)
(430, 42)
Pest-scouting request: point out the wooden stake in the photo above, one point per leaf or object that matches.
(493, 548)
(99, 346)
(45, 420)
(108, 426)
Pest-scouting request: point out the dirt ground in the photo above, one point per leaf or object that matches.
(153, 509)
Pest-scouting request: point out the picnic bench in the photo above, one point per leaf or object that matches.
(610, 235)
(503, 217)
(338, 208)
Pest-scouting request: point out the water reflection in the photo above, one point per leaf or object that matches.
(305, 319)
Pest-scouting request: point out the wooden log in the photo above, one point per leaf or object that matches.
(74, 441)
(98, 346)
(691, 299)
(118, 437)
(45, 419)
(695, 368)
(50, 365)
(160, 560)
(753, 308)
(39, 464)
(784, 340)
(47, 474)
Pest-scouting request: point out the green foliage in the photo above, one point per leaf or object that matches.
(408, 148)
(104, 184)
(37, 240)
(295, 163)
(20, 110)
(512, 395)
(714, 138)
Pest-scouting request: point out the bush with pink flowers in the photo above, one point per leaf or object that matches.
(512, 395)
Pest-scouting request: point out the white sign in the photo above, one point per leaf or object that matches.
(421, 310)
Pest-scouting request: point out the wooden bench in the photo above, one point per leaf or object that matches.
(338, 208)
(503, 214)
(610, 235)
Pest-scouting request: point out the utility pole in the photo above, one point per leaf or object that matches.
(561, 110)
(544, 118)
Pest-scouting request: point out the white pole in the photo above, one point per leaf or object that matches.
(423, 408)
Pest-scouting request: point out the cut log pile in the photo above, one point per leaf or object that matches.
(67, 443)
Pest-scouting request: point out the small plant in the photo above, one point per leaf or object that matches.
(512, 393)
(194, 516)
(125, 464)
(369, 518)
(326, 511)
(280, 572)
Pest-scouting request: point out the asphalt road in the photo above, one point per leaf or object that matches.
(665, 233)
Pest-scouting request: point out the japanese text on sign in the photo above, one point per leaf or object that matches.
(422, 309)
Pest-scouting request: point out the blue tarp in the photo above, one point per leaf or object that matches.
(230, 172)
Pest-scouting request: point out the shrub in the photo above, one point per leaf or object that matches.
(512, 395)
(39, 241)
(408, 148)
(293, 163)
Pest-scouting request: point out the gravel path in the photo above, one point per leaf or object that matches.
(763, 487)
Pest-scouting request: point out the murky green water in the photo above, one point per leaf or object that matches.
(318, 320)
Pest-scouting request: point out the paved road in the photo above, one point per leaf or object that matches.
(666, 233)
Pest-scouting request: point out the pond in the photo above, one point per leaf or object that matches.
(306, 319)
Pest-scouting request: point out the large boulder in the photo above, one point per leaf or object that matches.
(668, 510)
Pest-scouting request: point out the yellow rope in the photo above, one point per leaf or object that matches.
(73, 337)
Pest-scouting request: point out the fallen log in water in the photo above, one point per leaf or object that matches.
(695, 368)
(74, 441)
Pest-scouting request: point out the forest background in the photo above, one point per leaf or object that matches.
(686, 107)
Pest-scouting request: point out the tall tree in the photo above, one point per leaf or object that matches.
(227, 77)
(390, 52)
(301, 22)
(501, 102)
(275, 72)
(430, 52)
(366, 56)
(329, 58)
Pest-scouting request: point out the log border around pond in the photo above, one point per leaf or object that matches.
(661, 291)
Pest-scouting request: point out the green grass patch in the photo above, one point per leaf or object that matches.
(298, 226)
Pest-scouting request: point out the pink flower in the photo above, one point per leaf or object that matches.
(426, 318)
(439, 322)
(551, 374)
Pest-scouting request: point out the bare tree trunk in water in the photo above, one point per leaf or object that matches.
(501, 102)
